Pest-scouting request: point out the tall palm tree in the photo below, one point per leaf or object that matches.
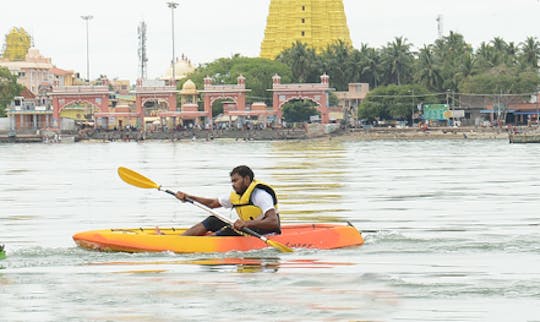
(338, 63)
(500, 50)
(371, 65)
(487, 56)
(451, 48)
(398, 59)
(428, 72)
(512, 54)
(451, 53)
(499, 44)
(467, 67)
(302, 60)
(530, 52)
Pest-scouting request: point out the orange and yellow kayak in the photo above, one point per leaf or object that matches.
(319, 236)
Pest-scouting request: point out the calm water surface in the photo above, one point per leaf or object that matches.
(451, 227)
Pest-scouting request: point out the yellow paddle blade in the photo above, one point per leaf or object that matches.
(136, 179)
(279, 246)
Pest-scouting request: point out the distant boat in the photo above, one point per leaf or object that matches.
(525, 137)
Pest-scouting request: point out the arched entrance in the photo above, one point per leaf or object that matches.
(79, 111)
(316, 92)
(233, 92)
(153, 106)
(154, 101)
(78, 102)
(300, 110)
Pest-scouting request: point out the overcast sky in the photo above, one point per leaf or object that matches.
(209, 29)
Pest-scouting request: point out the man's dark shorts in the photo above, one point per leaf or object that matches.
(221, 228)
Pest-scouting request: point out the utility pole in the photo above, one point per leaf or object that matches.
(453, 105)
(448, 105)
(537, 111)
(413, 106)
(173, 6)
(86, 19)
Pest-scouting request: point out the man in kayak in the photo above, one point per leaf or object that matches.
(255, 203)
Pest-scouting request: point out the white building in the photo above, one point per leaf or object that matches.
(37, 71)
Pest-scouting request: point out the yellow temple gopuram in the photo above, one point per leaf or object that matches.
(316, 23)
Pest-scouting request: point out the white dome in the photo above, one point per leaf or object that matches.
(182, 68)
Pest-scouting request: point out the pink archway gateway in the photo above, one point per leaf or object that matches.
(317, 92)
(236, 92)
(97, 96)
(156, 94)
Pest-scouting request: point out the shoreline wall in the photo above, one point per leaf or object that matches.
(297, 133)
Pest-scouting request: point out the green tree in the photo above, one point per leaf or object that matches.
(394, 102)
(512, 54)
(369, 61)
(9, 88)
(487, 57)
(217, 106)
(466, 68)
(398, 59)
(337, 62)
(299, 111)
(529, 53)
(428, 72)
(502, 80)
(453, 59)
(303, 61)
(257, 71)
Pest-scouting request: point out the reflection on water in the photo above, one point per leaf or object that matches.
(232, 264)
(309, 177)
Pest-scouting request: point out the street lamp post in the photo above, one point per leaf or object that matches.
(86, 19)
(173, 6)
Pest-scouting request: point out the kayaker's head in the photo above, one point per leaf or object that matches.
(241, 178)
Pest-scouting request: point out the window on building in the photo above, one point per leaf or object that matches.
(303, 8)
(303, 33)
(303, 20)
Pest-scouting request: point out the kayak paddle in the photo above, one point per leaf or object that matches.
(138, 180)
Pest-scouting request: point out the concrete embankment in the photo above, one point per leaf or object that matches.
(24, 138)
(299, 133)
(444, 133)
(196, 134)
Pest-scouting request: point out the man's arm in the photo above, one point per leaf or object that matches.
(208, 202)
(269, 221)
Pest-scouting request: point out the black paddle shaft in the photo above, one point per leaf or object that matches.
(170, 192)
(230, 224)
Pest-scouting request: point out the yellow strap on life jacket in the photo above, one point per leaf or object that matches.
(245, 209)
